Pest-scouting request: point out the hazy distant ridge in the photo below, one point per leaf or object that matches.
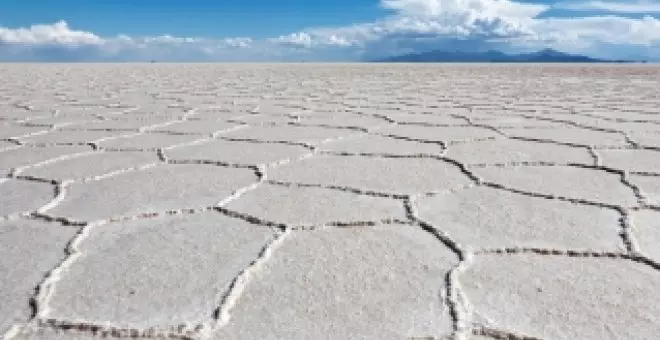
(542, 56)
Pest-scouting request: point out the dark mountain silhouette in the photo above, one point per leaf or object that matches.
(543, 56)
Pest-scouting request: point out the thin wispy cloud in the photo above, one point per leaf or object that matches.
(643, 7)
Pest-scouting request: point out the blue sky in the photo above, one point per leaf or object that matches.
(237, 30)
(207, 18)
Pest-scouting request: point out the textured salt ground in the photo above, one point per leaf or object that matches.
(128, 123)
(595, 122)
(386, 175)
(647, 161)
(53, 335)
(629, 115)
(91, 164)
(237, 152)
(13, 114)
(19, 196)
(484, 218)
(326, 274)
(23, 267)
(70, 137)
(499, 120)
(94, 108)
(339, 203)
(9, 130)
(646, 229)
(148, 141)
(50, 334)
(25, 156)
(647, 139)
(293, 134)
(570, 135)
(256, 119)
(142, 271)
(6, 145)
(516, 151)
(341, 119)
(426, 119)
(195, 127)
(597, 186)
(307, 206)
(649, 187)
(61, 122)
(555, 297)
(439, 134)
(371, 144)
(156, 189)
(156, 108)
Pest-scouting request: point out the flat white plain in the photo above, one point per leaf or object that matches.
(329, 201)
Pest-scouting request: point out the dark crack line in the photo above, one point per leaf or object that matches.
(251, 219)
(222, 314)
(106, 331)
(357, 191)
(552, 141)
(381, 155)
(454, 296)
(498, 334)
(514, 251)
(309, 146)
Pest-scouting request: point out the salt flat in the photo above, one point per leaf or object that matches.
(329, 201)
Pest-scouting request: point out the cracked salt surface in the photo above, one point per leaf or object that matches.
(370, 144)
(128, 124)
(341, 119)
(237, 152)
(23, 266)
(153, 190)
(158, 273)
(70, 137)
(19, 196)
(484, 217)
(290, 134)
(195, 127)
(646, 228)
(427, 119)
(26, 156)
(570, 135)
(147, 141)
(645, 161)
(51, 334)
(8, 130)
(594, 122)
(579, 183)
(298, 206)
(649, 187)
(516, 151)
(386, 175)
(651, 140)
(329, 201)
(348, 283)
(557, 297)
(90, 164)
(439, 133)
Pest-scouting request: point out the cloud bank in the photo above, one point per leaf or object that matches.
(411, 25)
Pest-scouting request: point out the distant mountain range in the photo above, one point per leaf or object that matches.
(542, 56)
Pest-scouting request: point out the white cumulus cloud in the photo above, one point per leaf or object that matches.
(57, 33)
(469, 8)
(417, 25)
